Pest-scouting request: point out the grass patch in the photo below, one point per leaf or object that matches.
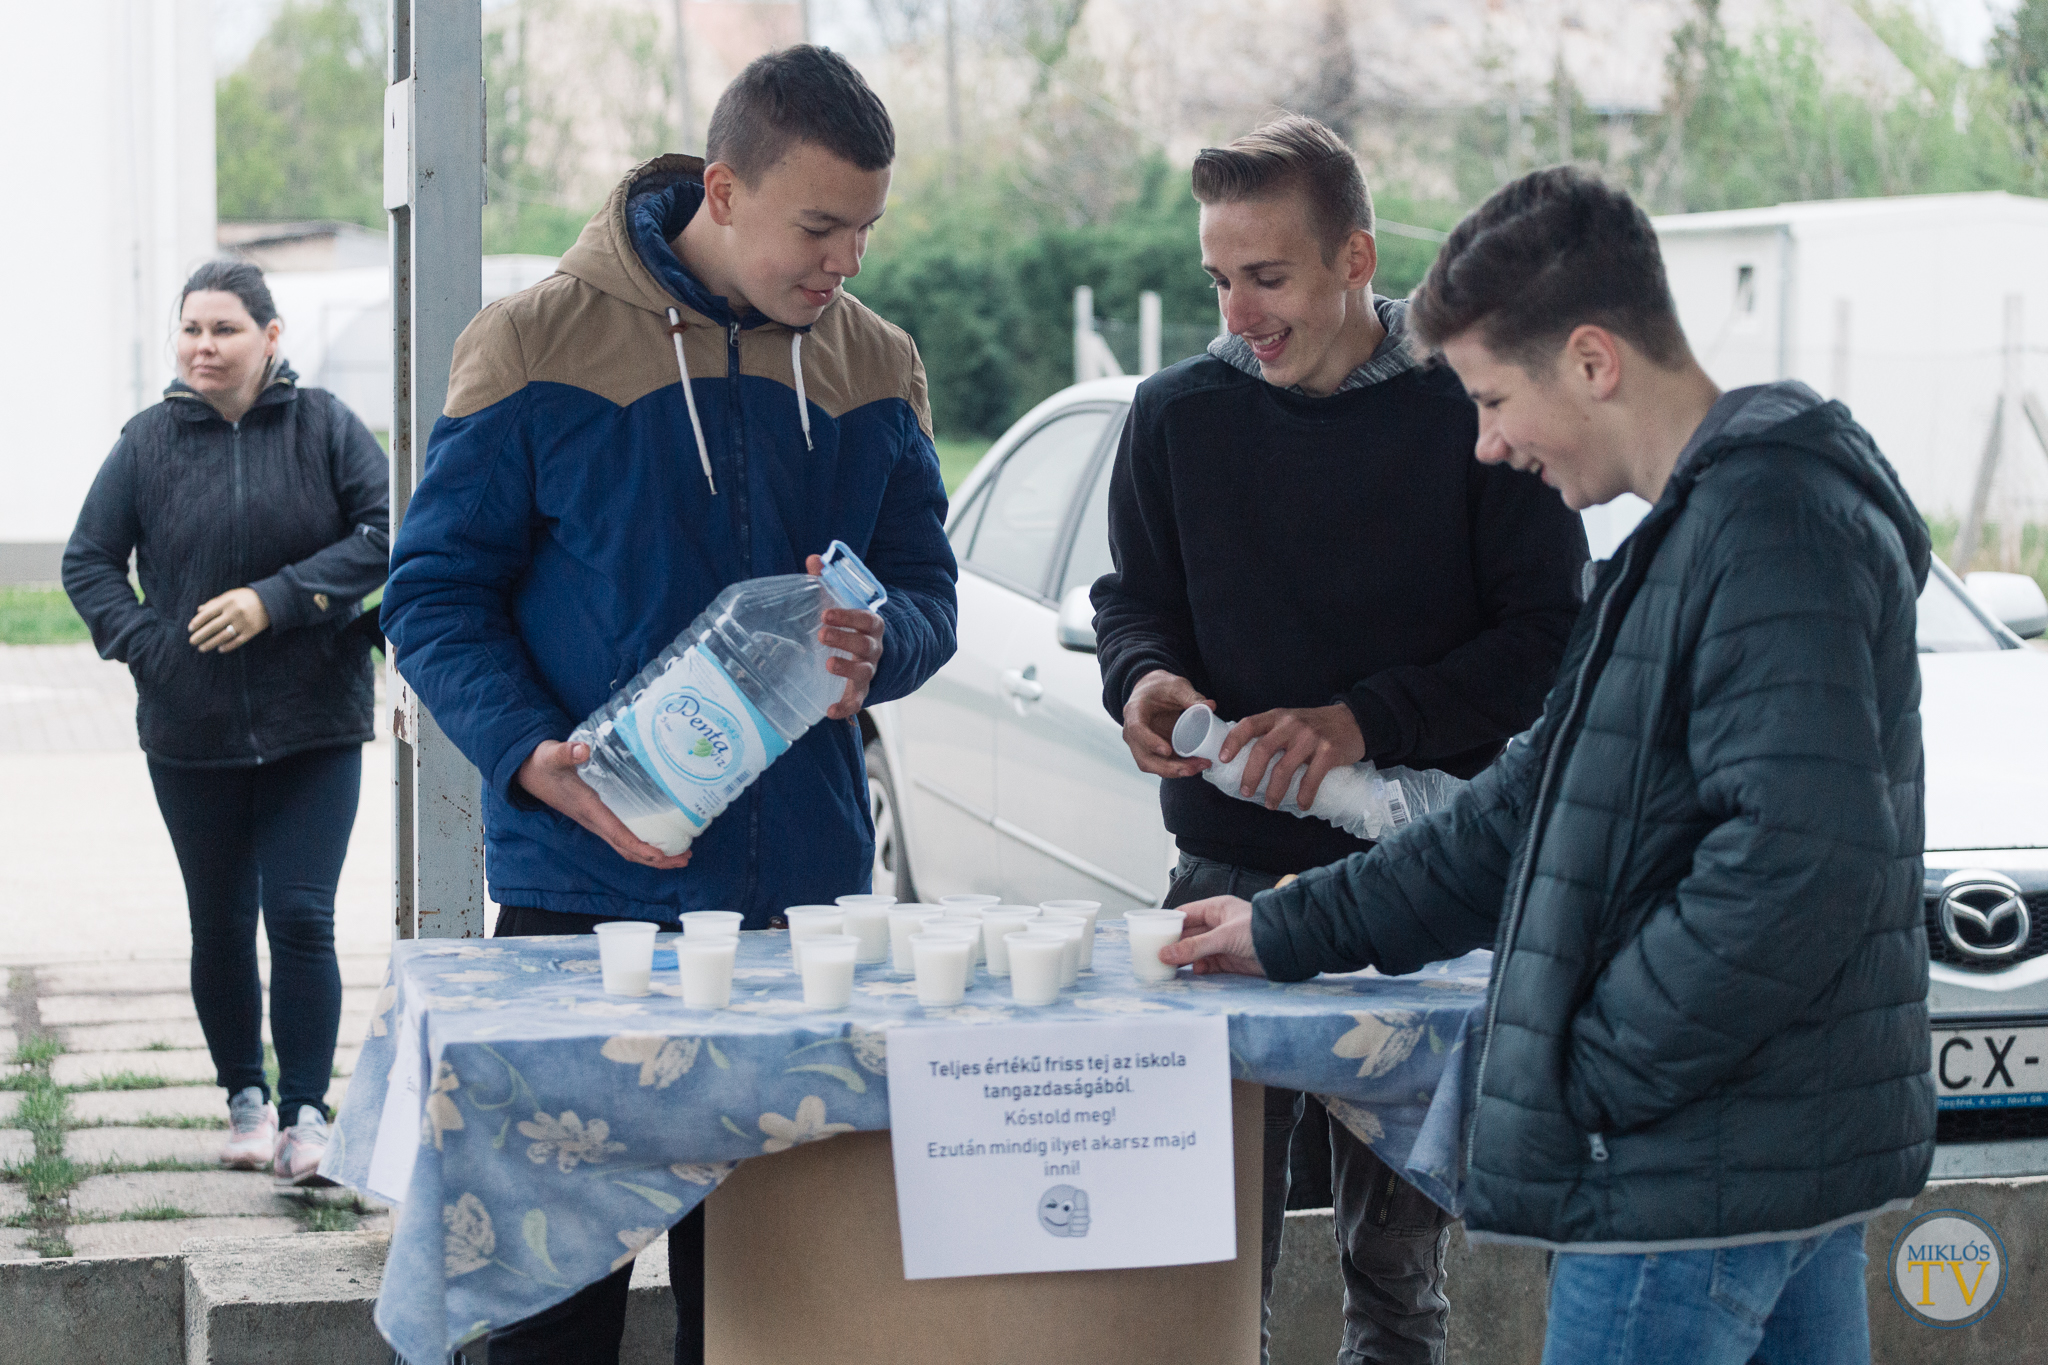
(124, 1080)
(270, 1069)
(158, 1046)
(39, 616)
(160, 1121)
(329, 1218)
(37, 1051)
(958, 458)
(50, 1242)
(327, 1211)
(43, 1110)
(47, 1177)
(155, 1213)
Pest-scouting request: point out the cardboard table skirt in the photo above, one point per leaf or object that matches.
(804, 1261)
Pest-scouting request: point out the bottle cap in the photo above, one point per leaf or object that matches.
(851, 581)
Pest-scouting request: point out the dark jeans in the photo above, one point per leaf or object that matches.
(585, 1328)
(268, 838)
(1391, 1240)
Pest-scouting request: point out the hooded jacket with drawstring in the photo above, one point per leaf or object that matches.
(581, 505)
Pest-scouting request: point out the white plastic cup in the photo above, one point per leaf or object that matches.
(705, 965)
(964, 913)
(1087, 910)
(1035, 957)
(864, 898)
(711, 923)
(809, 921)
(967, 922)
(625, 952)
(869, 923)
(905, 920)
(940, 961)
(1151, 930)
(998, 921)
(1075, 929)
(970, 900)
(828, 970)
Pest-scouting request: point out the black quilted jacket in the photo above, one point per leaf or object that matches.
(1700, 873)
(293, 501)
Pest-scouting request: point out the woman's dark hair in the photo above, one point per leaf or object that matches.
(1546, 253)
(239, 278)
(800, 94)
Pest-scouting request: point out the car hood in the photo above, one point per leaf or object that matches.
(1984, 720)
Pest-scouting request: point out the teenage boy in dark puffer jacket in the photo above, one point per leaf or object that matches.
(1706, 1056)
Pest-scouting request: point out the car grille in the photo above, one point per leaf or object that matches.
(1990, 1125)
(1939, 949)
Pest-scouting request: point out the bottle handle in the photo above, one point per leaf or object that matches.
(851, 581)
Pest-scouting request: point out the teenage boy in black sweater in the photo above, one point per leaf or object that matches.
(1304, 542)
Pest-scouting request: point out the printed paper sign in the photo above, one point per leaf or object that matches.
(1090, 1146)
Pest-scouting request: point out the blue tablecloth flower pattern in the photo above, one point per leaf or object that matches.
(537, 1133)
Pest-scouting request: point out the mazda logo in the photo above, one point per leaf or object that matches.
(1983, 914)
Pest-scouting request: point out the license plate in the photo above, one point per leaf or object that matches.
(1991, 1067)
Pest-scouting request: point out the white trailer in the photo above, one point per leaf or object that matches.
(1921, 313)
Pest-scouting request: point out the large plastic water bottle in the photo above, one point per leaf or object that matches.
(693, 729)
(1364, 801)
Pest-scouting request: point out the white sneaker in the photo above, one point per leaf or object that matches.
(252, 1143)
(299, 1150)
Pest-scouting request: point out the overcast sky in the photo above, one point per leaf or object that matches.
(1964, 24)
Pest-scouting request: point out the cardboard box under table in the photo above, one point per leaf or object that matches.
(537, 1133)
(803, 1261)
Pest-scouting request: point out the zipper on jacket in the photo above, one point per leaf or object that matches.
(745, 530)
(241, 541)
(1525, 871)
(1597, 1145)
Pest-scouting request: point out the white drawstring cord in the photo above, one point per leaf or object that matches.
(675, 331)
(796, 363)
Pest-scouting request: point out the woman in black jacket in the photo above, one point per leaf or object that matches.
(258, 514)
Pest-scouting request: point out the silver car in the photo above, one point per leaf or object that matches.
(1004, 774)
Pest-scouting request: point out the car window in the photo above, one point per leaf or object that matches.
(1033, 492)
(1947, 624)
(961, 532)
(1089, 559)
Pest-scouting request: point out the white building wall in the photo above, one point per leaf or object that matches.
(111, 174)
(1894, 306)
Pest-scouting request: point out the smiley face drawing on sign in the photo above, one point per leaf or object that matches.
(1063, 1211)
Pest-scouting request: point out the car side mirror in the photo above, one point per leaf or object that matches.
(2014, 598)
(1076, 628)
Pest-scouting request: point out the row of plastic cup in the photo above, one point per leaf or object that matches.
(1041, 948)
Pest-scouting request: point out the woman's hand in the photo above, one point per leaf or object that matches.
(228, 622)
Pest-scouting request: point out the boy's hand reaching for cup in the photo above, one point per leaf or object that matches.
(858, 635)
(1215, 936)
(549, 777)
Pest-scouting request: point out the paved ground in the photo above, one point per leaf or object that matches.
(110, 1125)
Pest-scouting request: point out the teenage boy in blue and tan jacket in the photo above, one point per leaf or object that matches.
(579, 509)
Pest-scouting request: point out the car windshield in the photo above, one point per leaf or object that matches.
(1948, 624)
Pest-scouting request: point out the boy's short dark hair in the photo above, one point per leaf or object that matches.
(1555, 250)
(800, 94)
(1291, 155)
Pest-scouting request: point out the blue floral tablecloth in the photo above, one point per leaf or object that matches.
(537, 1133)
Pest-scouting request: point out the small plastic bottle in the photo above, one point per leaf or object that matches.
(1359, 799)
(738, 686)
